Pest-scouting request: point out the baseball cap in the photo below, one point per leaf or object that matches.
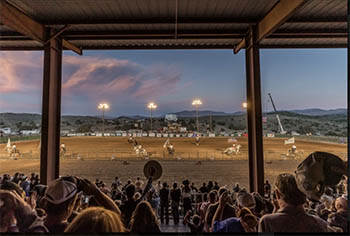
(318, 170)
(245, 199)
(60, 191)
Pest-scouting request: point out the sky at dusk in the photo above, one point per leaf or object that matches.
(128, 80)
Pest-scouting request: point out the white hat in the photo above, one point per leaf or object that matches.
(245, 199)
(60, 191)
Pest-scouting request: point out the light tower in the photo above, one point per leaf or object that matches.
(103, 107)
(245, 106)
(196, 103)
(152, 106)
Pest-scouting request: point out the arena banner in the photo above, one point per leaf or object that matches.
(289, 141)
(139, 134)
(107, 134)
(190, 135)
(134, 134)
(144, 134)
(171, 135)
(165, 135)
(270, 135)
(178, 136)
(232, 140)
(124, 134)
(211, 135)
(152, 135)
(159, 135)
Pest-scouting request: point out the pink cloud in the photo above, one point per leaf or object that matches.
(86, 80)
(109, 76)
(19, 70)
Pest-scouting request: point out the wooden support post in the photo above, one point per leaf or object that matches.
(51, 110)
(254, 114)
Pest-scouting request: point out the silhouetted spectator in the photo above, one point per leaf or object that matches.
(96, 220)
(341, 217)
(210, 186)
(60, 198)
(175, 195)
(216, 186)
(195, 225)
(144, 219)
(291, 215)
(204, 188)
(128, 206)
(186, 198)
(164, 203)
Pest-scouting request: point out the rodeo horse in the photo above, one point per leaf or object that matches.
(169, 146)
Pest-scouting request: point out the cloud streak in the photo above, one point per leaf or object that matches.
(20, 71)
(86, 80)
(109, 76)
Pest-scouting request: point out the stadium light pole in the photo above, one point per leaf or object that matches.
(196, 103)
(245, 106)
(152, 106)
(103, 107)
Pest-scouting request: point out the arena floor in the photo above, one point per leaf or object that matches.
(95, 158)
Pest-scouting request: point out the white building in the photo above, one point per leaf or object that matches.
(183, 129)
(30, 132)
(171, 117)
(6, 130)
(294, 133)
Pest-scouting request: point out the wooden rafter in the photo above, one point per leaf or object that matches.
(279, 14)
(18, 21)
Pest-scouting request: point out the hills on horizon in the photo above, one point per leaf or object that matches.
(308, 112)
(317, 121)
(192, 113)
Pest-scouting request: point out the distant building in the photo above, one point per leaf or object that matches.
(183, 129)
(171, 117)
(30, 132)
(64, 132)
(294, 133)
(6, 130)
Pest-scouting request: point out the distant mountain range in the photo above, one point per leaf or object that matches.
(320, 112)
(200, 113)
(308, 112)
(192, 113)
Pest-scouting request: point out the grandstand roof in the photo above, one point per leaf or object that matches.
(177, 24)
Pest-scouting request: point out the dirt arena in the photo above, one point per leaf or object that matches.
(96, 154)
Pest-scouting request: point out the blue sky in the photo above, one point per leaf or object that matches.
(128, 80)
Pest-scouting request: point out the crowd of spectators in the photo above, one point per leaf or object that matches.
(77, 205)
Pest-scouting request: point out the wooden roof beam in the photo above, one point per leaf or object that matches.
(18, 21)
(70, 46)
(278, 15)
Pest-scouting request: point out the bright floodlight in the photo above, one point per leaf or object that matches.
(152, 105)
(244, 105)
(103, 106)
(196, 102)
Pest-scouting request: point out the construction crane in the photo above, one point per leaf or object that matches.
(278, 118)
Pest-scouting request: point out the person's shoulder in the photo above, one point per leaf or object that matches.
(232, 220)
(318, 219)
(269, 217)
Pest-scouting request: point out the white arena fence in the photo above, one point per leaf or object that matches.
(114, 155)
